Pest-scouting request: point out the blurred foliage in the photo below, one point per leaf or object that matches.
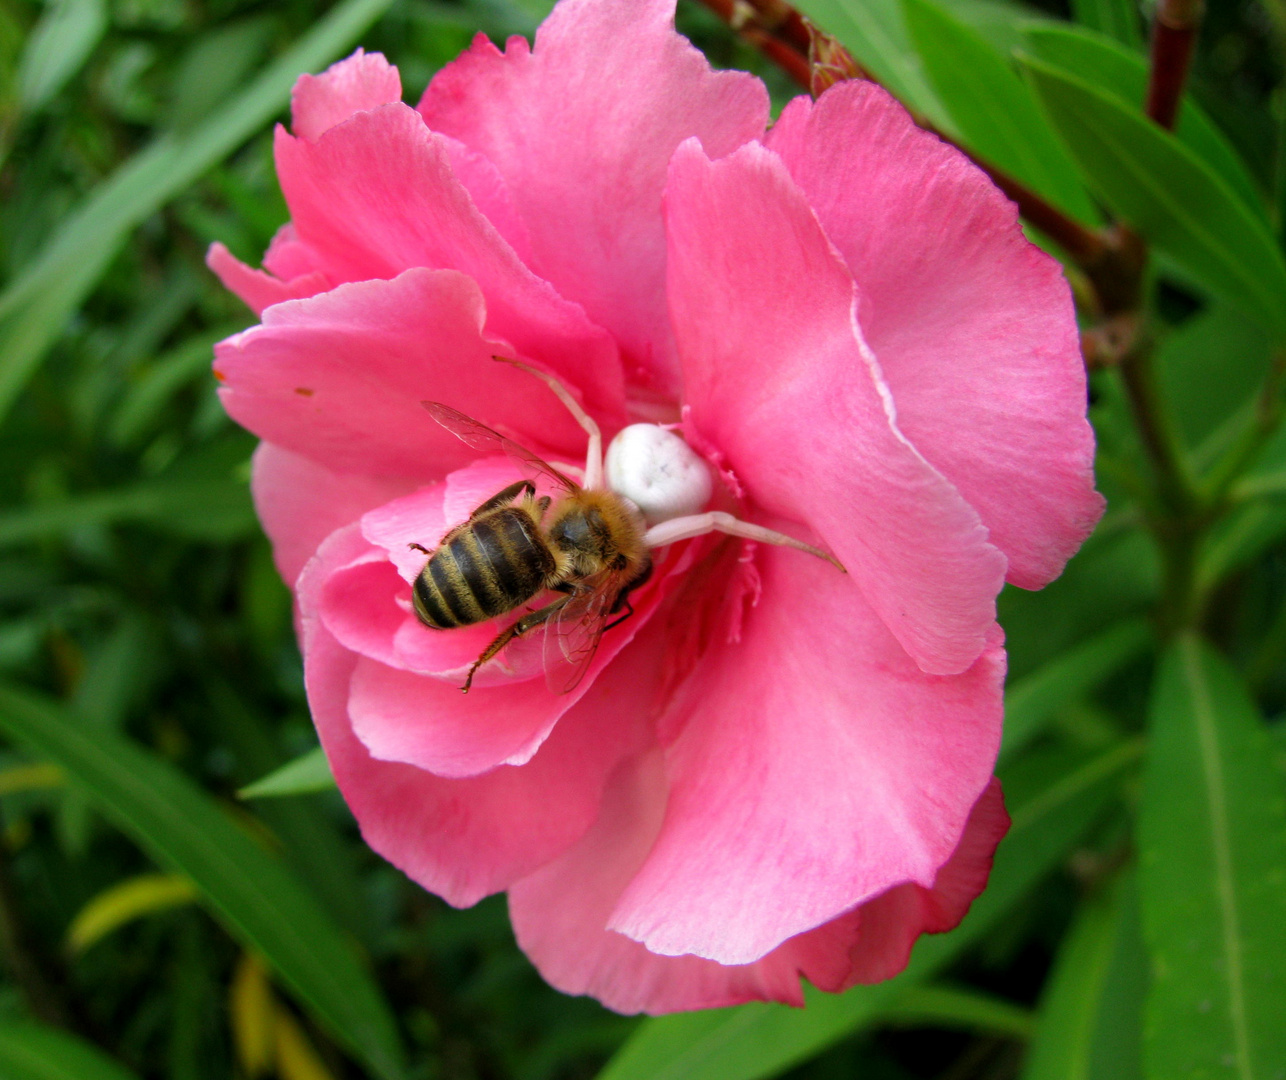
(148, 670)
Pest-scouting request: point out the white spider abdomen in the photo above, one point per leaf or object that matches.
(658, 472)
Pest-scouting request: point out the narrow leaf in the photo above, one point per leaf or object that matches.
(35, 308)
(251, 1012)
(1034, 698)
(297, 1059)
(124, 902)
(34, 1052)
(1157, 184)
(1212, 843)
(31, 778)
(959, 1008)
(308, 773)
(1124, 73)
(753, 1041)
(56, 49)
(203, 496)
(1119, 19)
(251, 892)
(993, 107)
(1243, 536)
(1090, 1019)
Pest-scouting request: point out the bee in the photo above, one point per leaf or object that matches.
(588, 547)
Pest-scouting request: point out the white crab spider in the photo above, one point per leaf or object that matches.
(663, 477)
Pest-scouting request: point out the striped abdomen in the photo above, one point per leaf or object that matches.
(483, 570)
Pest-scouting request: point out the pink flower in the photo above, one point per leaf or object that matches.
(773, 769)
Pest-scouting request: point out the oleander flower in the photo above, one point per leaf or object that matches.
(772, 770)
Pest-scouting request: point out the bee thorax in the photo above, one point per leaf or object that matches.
(658, 472)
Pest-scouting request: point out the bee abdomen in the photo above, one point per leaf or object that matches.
(482, 571)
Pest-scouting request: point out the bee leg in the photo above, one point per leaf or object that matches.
(419, 547)
(685, 528)
(623, 597)
(594, 455)
(629, 610)
(505, 497)
(522, 626)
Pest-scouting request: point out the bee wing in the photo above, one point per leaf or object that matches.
(572, 635)
(563, 647)
(474, 433)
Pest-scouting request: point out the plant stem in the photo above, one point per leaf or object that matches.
(1174, 484)
(746, 20)
(1174, 37)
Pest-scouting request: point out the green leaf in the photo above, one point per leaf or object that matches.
(1212, 845)
(256, 898)
(56, 49)
(203, 496)
(308, 773)
(36, 307)
(1033, 699)
(1090, 1023)
(215, 65)
(1210, 368)
(1157, 184)
(1119, 19)
(1124, 73)
(1239, 539)
(958, 1008)
(163, 378)
(34, 1052)
(1050, 813)
(875, 32)
(993, 107)
(998, 21)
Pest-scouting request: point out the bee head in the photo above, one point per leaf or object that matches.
(584, 535)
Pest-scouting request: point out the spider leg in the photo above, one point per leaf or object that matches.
(594, 456)
(685, 528)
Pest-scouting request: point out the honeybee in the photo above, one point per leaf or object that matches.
(591, 545)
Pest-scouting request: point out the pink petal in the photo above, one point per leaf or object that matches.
(596, 110)
(319, 102)
(891, 923)
(426, 722)
(560, 913)
(780, 381)
(973, 325)
(340, 377)
(300, 503)
(357, 604)
(288, 258)
(464, 839)
(257, 288)
(490, 194)
(816, 768)
(377, 195)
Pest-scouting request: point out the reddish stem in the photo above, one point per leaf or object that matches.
(1174, 37)
(746, 20)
